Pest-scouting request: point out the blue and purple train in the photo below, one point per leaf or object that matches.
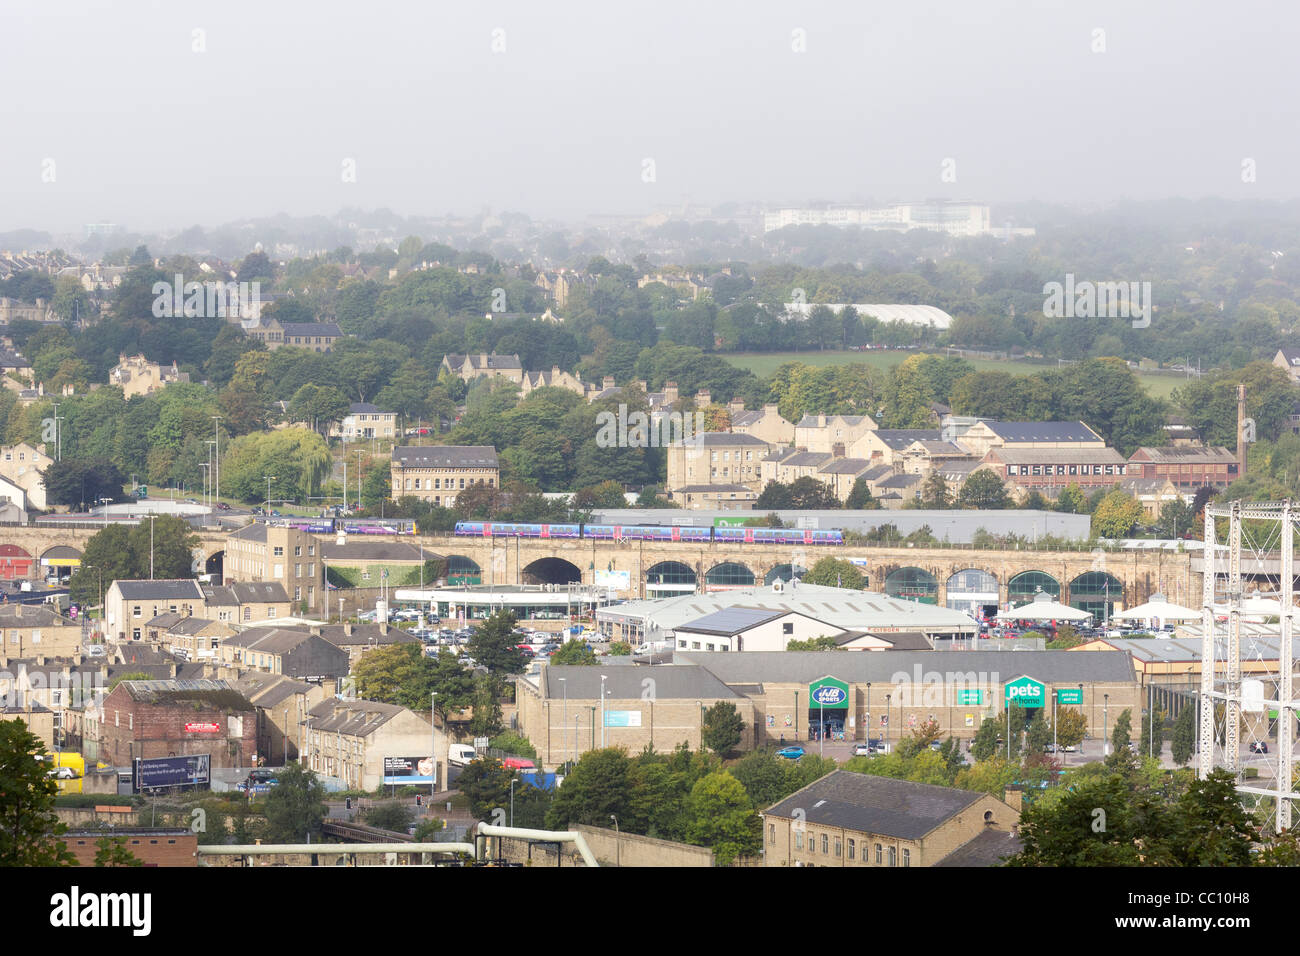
(690, 535)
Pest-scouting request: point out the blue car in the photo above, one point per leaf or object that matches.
(790, 753)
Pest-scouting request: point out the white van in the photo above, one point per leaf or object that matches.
(460, 754)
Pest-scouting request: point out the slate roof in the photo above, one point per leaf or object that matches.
(167, 590)
(245, 592)
(710, 439)
(732, 620)
(356, 718)
(1043, 431)
(1185, 455)
(359, 549)
(365, 408)
(990, 848)
(311, 328)
(847, 466)
(1056, 456)
(251, 532)
(445, 456)
(217, 692)
(678, 682)
(900, 438)
(880, 805)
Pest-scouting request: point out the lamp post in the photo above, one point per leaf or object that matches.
(216, 482)
(151, 517)
(513, 781)
(1055, 694)
(618, 859)
(821, 731)
(269, 479)
(886, 734)
(211, 497)
(602, 710)
(868, 716)
(433, 743)
(105, 502)
(205, 466)
(1105, 718)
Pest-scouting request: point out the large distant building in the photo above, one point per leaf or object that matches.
(953, 217)
(438, 473)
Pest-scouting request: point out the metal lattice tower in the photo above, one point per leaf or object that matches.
(1269, 536)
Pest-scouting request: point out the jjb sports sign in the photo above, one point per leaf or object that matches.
(828, 692)
(1024, 692)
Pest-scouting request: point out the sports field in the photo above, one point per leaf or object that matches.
(764, 364)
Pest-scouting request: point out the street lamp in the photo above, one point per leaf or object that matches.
(602, 710)
(151, 517)
(1105, 733)
(433, 742)
(269, 479)
(886, 735)
(868, 716)
(105, 502)
(618, 859)
(216, 430)
(513, 781)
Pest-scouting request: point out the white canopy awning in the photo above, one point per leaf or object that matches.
(1158, 609)
(1043, 608)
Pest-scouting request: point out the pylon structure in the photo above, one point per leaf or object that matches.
(1231, 708)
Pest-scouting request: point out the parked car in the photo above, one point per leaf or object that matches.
(862, 750)
(790, 753)
(1258, 747)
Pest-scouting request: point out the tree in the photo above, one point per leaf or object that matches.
(319, 406)
(723, 728)
(1120, 737)
(1038, 733)
(486, 785)
(984, 490)
(836, 573)
(393, 815)
(574, 652)
(985, 743)
(295, 807)
(495, 646)
(722, 818)
(82, 481)
(29, 827)
(426, 830)
(1072, 500)
(860, 498)
(934, 492)
(1151, 740)
(1098, 822)
(1115, 515)
(599, 785)
(823, 643)
(1183, 740)
(1071, 725)
(112, 851)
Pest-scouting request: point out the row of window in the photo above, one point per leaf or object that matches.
(15, 637)
(881, 850)
(451, 483)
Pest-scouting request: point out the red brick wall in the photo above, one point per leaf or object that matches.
(135, 729)
(153, 849)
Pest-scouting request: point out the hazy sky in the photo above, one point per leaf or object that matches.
(144, 131)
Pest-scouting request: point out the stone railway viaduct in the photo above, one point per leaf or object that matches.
(1125, 578)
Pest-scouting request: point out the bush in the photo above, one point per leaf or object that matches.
(514, 744)
(390, 816)
(84, 801)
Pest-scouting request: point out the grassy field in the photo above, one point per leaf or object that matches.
(764, 364)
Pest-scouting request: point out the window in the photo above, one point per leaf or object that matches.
(270, 612)
(278, 552)
(771, 833)
(311, 550)
(853, 849)
(825, 843)
(798, 839)
(297, 551)
(787, 627)
(36, 636)
(248, 613)
(907, 857)
(893, 856)
(135, 611)
(879, 850)
(838, 846)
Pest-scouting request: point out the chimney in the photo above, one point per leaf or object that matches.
(347, 629)
(607, 381)
(821, 421)
(1013, 797)
(769, 410)
(703, 397)
(1241, 431)
(18, 609)
(736, 405)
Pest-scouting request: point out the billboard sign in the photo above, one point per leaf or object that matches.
(622, 718)
(615, 580)
(970, 698)
(1069, 695)
(187, 771)
(399, 771)
(203, 727)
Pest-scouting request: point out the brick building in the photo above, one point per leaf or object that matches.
(163, 718)
(855, 819)
(438, 472)
(151, 846)
(1187, 466)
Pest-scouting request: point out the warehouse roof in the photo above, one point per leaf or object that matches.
(445, 456)
(804, 667)
(627, 683)
(1020, 432)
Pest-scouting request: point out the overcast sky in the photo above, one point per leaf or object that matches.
(113, 103)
